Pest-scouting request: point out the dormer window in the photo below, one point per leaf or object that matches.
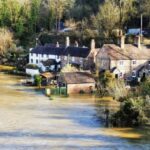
(36, 55)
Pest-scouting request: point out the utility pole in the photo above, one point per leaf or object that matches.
(141, 25)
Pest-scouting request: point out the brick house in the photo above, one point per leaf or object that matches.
(124, 60)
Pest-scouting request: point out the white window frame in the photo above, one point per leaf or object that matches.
(73, 59)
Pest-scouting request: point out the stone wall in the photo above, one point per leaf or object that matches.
(77, 88)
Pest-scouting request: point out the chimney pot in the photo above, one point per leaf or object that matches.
(137, 41)
(122, 42)
(76, 44)
(92, 44)
(67, 41)
(57, 44)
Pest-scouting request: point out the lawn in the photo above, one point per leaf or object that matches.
(6, 68)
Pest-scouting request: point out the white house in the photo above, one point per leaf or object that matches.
(61, 54)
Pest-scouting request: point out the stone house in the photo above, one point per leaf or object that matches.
(77, 82)
(123, 60)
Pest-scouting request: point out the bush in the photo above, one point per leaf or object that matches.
(130, 114)
(32, 66)
(145, 88)
(38, 80)
(81, 92)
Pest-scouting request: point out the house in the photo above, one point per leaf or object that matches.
(62, 54)
(123, 60)
(77, 82)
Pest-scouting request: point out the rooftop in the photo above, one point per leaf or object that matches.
(130, 51)
(51, 49)
(77, 77)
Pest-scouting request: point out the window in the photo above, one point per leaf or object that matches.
(31, 54)
(121, 62)
(81, 60)
(57, 56)
(121, 74)
(31, 60)
(134, 62)
(133, 73)
(37, 61)
(65, 57)
(73, 58)
(36, 55)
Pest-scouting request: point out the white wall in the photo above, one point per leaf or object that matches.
(34, 57)
(32, 72)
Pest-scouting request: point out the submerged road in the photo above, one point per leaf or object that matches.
(30, 121)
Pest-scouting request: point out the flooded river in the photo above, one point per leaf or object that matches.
(30, 121)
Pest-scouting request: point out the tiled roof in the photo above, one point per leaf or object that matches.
(47, 75)
(51, 49)
(130, 51)
(77, 77)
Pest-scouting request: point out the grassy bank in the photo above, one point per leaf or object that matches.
(6, 68)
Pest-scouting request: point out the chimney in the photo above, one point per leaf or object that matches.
(137, 41)
(92, 44)
(122, 42)
(57, 44)
(67, 41)
(76, 44)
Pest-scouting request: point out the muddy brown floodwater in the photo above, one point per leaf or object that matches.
(30, 121)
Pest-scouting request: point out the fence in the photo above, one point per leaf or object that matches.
(59, 91)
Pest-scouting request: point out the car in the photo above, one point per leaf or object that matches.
(66, 30)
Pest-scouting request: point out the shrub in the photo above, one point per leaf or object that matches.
(118, 90)
(130, 114)
(32, 66)
(81, 92)
(38, 80)
(145, 88)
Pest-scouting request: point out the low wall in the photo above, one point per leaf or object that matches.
(77, 88)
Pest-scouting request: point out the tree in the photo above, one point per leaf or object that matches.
(130, 114)
(105, 80)
(126, 10)
(34, 14)
(118, 90)
(107, 18)
(69, 68)
(145, 9)
(145, 88)
(59, 7)
(38, 80)
(6, 40)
